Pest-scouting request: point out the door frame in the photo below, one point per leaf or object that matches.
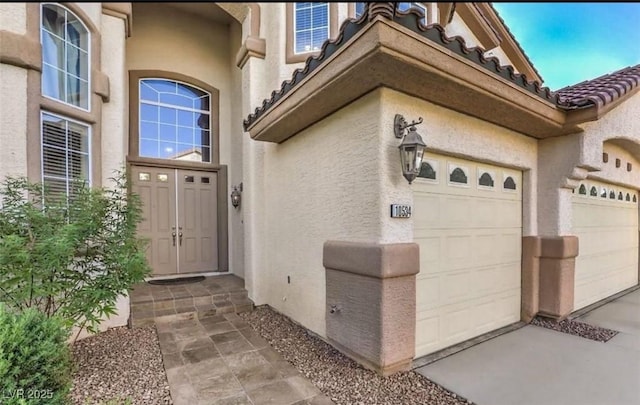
(223, 207)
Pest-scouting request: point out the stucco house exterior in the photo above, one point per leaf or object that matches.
(526, 203)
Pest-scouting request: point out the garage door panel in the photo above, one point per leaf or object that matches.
(427, 293)
(470, 248)
(608, 243)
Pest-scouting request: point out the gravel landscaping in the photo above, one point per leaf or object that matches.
(119, 366)
(337, 376)
(576, 328)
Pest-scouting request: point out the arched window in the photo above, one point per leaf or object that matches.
(593, 192)
(65, 56)
(427, 171)
(458, 176)
(509, 183)
(485, 180)
(582, 190)
(175, 121)
(65, 141)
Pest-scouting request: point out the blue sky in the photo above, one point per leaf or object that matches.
(572, 42)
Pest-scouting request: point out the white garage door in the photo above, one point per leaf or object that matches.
(605, 219)
(468, 223)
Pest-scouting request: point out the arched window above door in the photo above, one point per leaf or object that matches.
(174, 120)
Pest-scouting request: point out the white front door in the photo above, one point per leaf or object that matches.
(468, 223)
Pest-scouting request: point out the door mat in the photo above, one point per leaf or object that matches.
(177, 281)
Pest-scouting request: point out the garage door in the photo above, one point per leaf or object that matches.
(605, 219)
(468, 223)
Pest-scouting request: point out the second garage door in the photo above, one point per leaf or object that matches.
(468, 223)
(605, 219)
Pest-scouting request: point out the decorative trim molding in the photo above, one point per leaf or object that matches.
(120, 10)
(20, 50)
(252, 47)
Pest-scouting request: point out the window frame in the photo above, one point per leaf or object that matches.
(290, 55)
(133, 154)
(89, 57)
(159, 104)
(89, 148)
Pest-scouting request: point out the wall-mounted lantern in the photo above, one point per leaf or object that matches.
(411, 148)
(236, 197)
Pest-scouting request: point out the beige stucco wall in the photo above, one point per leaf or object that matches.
(13, 17)
(114, 113)
(458, 27)
(565, 161)
(618, 123)
(166, 38)
(323, 184)
(236, 234)
(449, 132)
(13, 99)
(618, 175)
(13, 121)
(337, 179)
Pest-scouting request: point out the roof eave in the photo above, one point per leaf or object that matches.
(430, 71)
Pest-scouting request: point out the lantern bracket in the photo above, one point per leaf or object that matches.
(400, 125)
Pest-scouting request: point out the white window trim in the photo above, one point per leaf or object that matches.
(89, 143)
(89, 53)
(295, 32)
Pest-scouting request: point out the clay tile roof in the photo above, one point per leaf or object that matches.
(601, 90)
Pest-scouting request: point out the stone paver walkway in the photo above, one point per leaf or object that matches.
(221, 360)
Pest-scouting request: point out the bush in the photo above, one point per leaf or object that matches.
(35, 365)
(69, 257)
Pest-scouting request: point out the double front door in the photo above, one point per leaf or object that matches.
(179, 218)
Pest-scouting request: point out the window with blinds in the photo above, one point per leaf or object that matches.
(311, 26)
(66, 154)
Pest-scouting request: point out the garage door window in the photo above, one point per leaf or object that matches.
(427, 171)
(509, 183)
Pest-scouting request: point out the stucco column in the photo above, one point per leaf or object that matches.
(371, 302)
(19, 53)
(549, 264)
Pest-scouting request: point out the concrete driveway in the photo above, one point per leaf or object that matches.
(534, 365)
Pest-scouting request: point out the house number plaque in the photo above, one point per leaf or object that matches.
(400, 211)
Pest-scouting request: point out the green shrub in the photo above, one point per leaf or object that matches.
(69, 257)
(35, 365)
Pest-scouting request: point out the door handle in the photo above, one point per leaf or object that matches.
(173, 235)
(179, 236)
